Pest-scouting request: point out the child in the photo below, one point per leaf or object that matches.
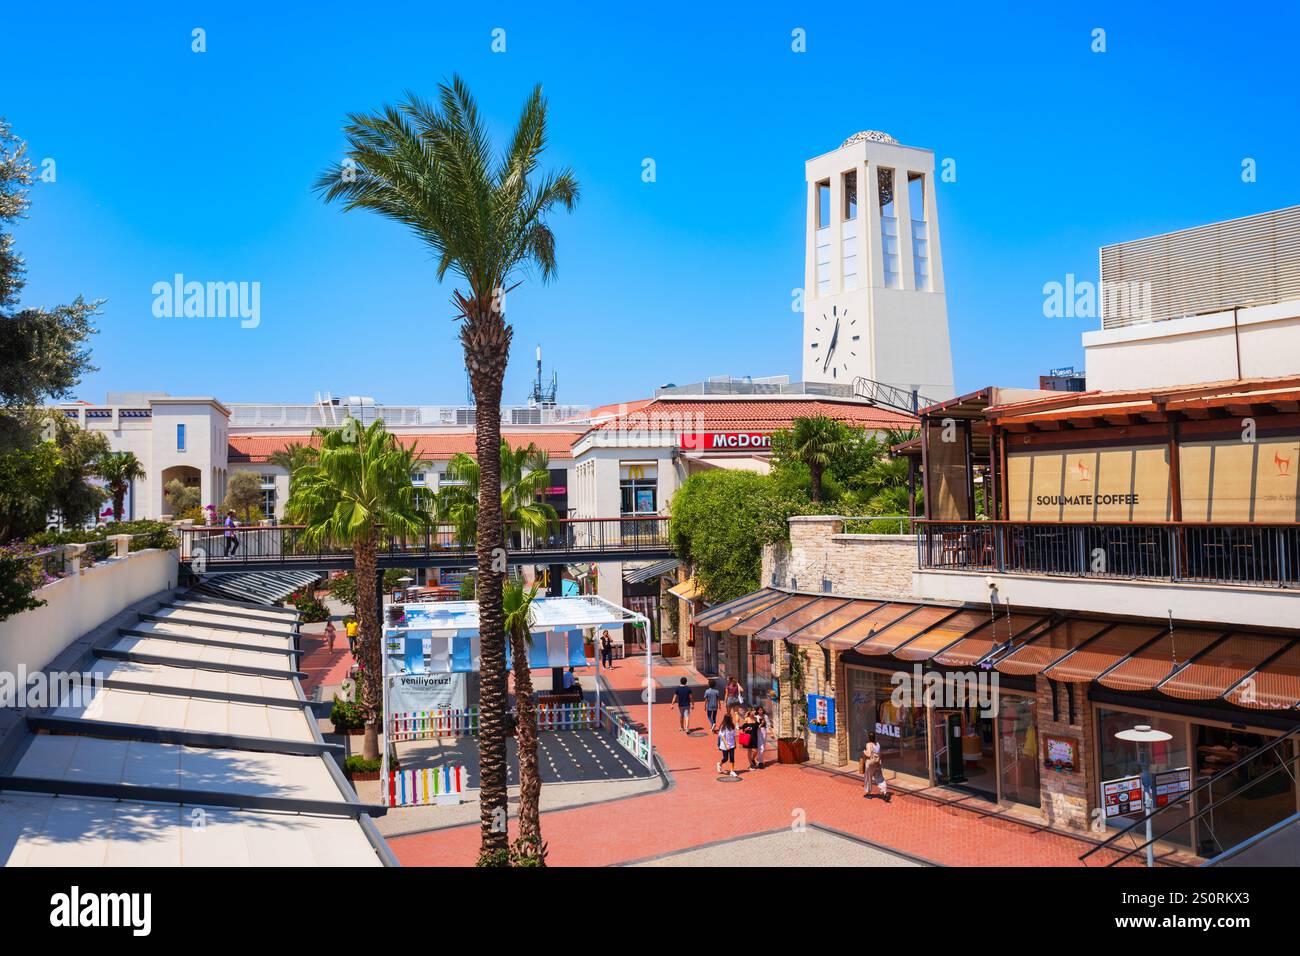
(727, 743)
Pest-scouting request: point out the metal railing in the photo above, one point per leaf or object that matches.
(1204, 800)
(1256, 555)
(565, 538)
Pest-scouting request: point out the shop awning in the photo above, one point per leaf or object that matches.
(721, 618)
(808, 614)
(1223, 666)
(942, 635)
(1275, 685)
(659, 568)
(867, 626)
(688, 590)
(1046, 647)
(1149, 665)
(983, 641)
(769, 615)
(1100, 653)
(891, 636)
(1252, 669)
(838, 620)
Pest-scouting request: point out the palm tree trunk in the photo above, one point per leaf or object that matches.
(486, 339)
(119, 504)
(368, 644)
(816, 472)
(530, 778)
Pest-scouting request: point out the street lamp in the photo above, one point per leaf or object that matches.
(1144, 736)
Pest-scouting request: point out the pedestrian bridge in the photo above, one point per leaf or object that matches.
(568, 541)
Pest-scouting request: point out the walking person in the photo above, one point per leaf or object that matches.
(232, 540)
(727, 744)
(748, 737)
(351, 627)
(330, 634)
(606, 650)
(682, 698)
(872, 769)
(760, 714)
(733, 695)
(711, 697)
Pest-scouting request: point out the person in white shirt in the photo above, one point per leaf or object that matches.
(727, 743)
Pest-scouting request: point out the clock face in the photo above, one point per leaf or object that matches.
(833, 348)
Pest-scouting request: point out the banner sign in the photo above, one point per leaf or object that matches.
(1106, 484)
(409, 693)
(726, 441)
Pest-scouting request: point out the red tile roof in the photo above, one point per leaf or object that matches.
(437, 447)
(757, 415)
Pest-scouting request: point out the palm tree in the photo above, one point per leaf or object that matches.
(517, 604)
(292, 457)
(119, 469)
(817, 441)
(524, 477)
(358, 488)
(483, 215)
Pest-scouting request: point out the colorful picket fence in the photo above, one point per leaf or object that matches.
(628, 737)
(567, 716)
(423, 724)
(418, 788)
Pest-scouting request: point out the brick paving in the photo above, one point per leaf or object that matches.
(324, 668)
(699, 809)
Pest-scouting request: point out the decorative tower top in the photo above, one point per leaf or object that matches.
(869, 136)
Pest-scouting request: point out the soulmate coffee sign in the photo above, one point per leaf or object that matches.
(726, 441)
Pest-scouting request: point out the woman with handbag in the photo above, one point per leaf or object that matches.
(748, 737)
(872, 769)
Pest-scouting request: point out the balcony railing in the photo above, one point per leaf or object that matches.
(1252, 555)
(567, 538)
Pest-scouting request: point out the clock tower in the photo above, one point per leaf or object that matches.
(874, 304)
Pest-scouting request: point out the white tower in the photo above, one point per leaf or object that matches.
(874, 304)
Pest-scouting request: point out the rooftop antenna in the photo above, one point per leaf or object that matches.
(543, 395)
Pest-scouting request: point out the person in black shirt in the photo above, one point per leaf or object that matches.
(682, 698)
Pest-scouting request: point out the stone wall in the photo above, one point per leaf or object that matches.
(1069, 799)
(821, 557)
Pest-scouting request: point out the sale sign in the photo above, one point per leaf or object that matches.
(726, 441)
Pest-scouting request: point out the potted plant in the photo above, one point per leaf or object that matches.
(795, 749)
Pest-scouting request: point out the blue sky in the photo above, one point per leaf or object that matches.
(170, 161)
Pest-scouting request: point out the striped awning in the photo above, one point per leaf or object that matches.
(258, 587)
(641, 575)
(1258, 670)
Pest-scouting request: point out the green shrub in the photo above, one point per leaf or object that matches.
(19, 579)
(312, 610)
(359, 764)
(347, 715)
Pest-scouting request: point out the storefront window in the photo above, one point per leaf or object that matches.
(900, 731)
(638, 484)
(1266, 794)
(1018, 732)
(1119, 758)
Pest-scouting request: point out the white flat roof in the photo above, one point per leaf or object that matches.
(292, 806)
